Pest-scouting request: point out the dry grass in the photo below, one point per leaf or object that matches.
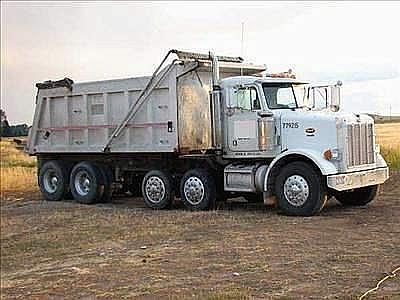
(391, 155)
(12, 157)
(388, 137)
(18, 179)
(18, 170)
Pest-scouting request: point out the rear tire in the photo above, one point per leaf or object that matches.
(135, 186)
(300, 190)
(107, 180)
(86, 183)
(198, 191)
(157, 189)
(358, 197)
(53, 180)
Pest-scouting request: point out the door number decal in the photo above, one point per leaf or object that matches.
(290, 124)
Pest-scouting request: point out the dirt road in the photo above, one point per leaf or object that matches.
(124, 250)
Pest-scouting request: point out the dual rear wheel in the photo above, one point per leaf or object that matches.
(87, 182)
(197, 189)
(53, 180)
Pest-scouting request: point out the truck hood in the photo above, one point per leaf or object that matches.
(315, 130)
(310, 115)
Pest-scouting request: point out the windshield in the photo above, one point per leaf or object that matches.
(284, 95)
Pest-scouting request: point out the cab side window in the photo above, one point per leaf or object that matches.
(246, 99)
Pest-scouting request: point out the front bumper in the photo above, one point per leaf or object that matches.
(348, 181)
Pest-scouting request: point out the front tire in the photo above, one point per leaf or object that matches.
(198, 190)
(300, 190)
(358, 197)
(157, 189)
(53, 180)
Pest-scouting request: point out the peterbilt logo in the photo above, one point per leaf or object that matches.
(310, 131)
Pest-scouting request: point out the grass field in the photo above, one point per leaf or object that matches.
(18, 170)
(239, 251)
(388, 137)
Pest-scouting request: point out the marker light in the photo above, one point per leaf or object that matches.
(331, 154)
(377, 148)
(328, 154)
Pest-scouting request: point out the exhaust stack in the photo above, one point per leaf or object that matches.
(216, 104)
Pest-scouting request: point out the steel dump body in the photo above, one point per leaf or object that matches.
(176, 117)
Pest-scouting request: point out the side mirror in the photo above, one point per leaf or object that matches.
(335, 97)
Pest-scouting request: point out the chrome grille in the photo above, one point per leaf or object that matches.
(360, 144)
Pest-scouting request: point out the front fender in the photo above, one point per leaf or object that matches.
(380, 161)
(326, 167)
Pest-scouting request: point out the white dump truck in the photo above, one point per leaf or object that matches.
(204, 128)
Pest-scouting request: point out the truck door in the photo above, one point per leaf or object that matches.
(243, 103)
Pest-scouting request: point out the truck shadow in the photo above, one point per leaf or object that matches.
(237, 204)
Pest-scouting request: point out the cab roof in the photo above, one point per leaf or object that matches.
(235, 80)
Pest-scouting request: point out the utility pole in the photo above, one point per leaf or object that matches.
(242, 48)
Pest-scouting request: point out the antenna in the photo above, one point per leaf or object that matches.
(241, 50)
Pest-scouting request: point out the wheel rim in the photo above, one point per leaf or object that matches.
(155, 189)
(50, 181)
(82, 183)
(194, 190)
(296, 190)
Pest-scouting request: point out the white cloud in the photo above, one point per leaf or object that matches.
(376, 96)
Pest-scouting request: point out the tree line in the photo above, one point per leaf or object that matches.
(8, 130)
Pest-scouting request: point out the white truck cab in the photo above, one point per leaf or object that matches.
(198, 131)
(278, 118)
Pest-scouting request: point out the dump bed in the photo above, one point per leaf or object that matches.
(174, 118)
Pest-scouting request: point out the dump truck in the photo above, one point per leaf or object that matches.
(204, 128)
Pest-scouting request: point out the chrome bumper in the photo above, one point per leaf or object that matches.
(342, 182)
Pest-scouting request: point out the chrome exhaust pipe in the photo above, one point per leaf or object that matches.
(216, 104)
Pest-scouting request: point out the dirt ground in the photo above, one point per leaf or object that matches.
(124, 250)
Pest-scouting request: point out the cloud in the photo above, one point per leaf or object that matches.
(357, 74)
(321, 41)
(376, 96)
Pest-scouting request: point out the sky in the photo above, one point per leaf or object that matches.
(355, 42)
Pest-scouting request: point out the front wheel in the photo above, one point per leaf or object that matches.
(300, 190)
(358, 197)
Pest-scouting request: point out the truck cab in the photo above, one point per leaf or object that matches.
(283, 121)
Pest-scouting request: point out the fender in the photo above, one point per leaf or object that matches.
(380, 161)
(326, 167)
